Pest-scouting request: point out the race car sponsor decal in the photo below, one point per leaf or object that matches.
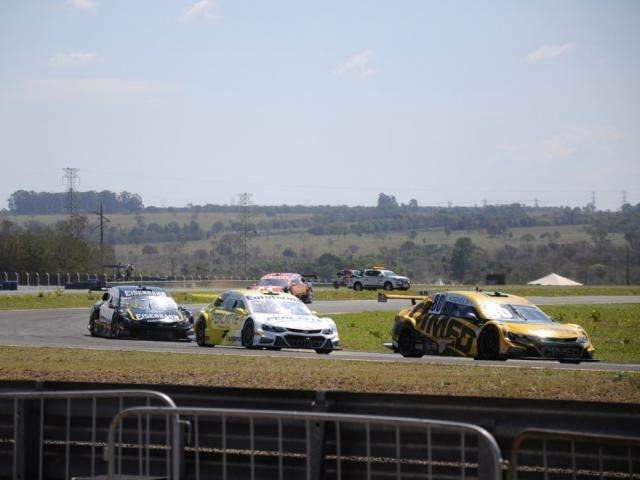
(449, 329)
(158, 316)
(263, 298)
(144, 293)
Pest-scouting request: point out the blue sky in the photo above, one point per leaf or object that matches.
(324, 102)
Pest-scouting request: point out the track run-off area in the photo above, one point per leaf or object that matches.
(67, 328)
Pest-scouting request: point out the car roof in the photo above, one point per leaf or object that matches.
(243, 292)
(136, 288)
(281, 275)
(488, 297)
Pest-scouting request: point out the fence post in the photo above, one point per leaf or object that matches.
(27, 439)
(317, 438)
(38, 279)
(28, 280)
(58, 274)
(48, 280)
(6, 276)
(17, 278)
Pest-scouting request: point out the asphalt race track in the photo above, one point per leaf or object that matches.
(68, 328)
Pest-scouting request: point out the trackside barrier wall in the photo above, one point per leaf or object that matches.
(56, 434)
(257, 444)
(556, 454)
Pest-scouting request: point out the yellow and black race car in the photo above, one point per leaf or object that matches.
(485, 326)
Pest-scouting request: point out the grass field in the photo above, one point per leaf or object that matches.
(614, 329)
(51, 364)
(271, 246)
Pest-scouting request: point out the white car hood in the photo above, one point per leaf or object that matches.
(300, 322)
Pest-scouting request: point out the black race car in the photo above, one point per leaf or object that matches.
(138, 311)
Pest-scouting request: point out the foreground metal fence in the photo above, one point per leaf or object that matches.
(59, 434)
(553, 454)
(232, 443)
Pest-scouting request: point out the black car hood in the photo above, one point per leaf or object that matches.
(165, 316)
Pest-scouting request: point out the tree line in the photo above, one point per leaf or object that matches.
(23, 202)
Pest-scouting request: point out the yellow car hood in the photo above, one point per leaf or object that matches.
(544, 330)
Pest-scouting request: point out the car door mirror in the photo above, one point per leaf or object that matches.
(105, 296)
(217, 302)
(241, 312)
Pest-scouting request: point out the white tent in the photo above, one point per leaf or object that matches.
(554, 279)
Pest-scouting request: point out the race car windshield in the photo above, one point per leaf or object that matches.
(149, 303)
(515, 313)
(273, 282)
(279, 307)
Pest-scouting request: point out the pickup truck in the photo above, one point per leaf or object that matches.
(374, 278)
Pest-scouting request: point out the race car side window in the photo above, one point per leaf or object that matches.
(218, 302)
(228, 303)
(450, 309)
(239, 304)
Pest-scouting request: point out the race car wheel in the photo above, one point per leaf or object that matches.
(92, 324)
(309, 297)
(323, 351)
(489, 345)
(388, 286)
(407, 344)
(115, 327)
(357, 287)
(201, 338)
(247, 334)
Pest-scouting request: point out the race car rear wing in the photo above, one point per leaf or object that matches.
(383, 297)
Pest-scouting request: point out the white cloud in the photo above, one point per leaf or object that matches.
(72, 59)
(358, 65)
(80, 4)
(204, 9)
(550, 51)
(562, 145)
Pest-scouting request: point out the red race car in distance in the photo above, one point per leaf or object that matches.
(293, 283)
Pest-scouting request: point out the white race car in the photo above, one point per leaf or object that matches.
(264, 319)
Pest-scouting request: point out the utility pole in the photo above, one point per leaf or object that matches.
(536, 203)
(593, 199)
(624, 197)
(628, 267)
(244, 200)
(71, 180)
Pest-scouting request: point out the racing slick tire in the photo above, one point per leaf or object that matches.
(407, 344)
(274, 349)
(247, 334)
(92, 324)
(323, 351)
(489, 345)
(114, 329)
(357, 286)
(388, 286)
(308, 299)
(201, 338)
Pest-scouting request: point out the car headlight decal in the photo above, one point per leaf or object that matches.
(272, 328)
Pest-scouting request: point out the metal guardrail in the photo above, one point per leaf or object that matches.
(37, 413)
(573, 455)
(236, 443)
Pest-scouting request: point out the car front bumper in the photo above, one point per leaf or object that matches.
(296, 340)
